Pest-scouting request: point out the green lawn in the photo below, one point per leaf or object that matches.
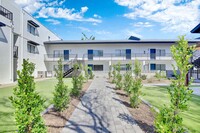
(158, 96)
(45, 88)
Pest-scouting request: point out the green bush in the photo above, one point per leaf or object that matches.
(143, 77)
(91, 75)
(61, 93)
(77, 81)
(27, 102)
(86, 73)
(128, 79)
(136, 85)
(169, 119)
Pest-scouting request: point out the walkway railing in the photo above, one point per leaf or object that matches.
(139, 56)
(56, 57)
(6, 13)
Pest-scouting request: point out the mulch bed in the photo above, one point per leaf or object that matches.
(55, 121)
(143, 115)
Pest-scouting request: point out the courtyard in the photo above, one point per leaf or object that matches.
(100, 109)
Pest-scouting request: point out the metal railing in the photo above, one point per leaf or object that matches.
(6, 13)
(56, 57)
(139, 56)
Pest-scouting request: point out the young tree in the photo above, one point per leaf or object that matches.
(27, 102)
(91, 75)
(77, 81)
(169, 119)
(118, 76)
(110, 73)
(61, 93)
(128, 79)
(136, 85)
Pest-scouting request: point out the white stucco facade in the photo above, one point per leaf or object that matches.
(14, 35)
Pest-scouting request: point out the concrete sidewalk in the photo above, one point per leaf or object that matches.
(101, 112)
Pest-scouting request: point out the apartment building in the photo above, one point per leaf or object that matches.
(154, 55)
(21, 37)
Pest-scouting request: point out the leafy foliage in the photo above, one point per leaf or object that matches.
(178, 90)
(86, 73)
(61, 93)
(128, 79)
(91, 75)
(27, 102)
(86, 38)
(136, 85)
(119, 84)
(77, 81)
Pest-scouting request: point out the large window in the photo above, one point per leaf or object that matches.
(120, 52)
(160, 52)
(31, 48)
(97, 53)
(32, 29)
(161, 67)
(58, 53)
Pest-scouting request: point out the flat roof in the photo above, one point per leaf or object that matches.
(196, 29)
(114, 41)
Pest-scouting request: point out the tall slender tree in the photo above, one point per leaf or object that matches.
(87, 38)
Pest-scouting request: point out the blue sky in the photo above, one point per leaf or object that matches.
(116, 19)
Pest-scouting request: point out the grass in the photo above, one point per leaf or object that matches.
(158, 96)
(44, 87)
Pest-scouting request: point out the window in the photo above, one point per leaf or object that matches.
(97, 53)
(160, 52)
(31, 29)
(161, 67)
(58, 53)
(120, 52)
(31, 48)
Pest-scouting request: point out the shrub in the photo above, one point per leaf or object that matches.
(91, 75)
(119, 84)
(27, 102)
(158, 75)
(128, 79)
(143, 77)
(169, 118)
(77, 81)
(136, 85)
(61, 93)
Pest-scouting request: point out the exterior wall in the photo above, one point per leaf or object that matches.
(136, 49)
(16, 34)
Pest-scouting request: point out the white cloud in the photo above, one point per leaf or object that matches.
(84, 29)
(53, 21)
(102, 32)
(129, 33)
(31, 6)
(96, 16)
(174, 15)
(142, 24)
(54, 9)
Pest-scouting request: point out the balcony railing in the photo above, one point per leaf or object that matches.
(6, 13)
(56, 57)
(139, 56)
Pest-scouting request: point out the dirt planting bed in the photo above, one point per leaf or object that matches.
(55, 121)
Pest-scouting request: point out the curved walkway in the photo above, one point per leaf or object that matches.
(101, 112)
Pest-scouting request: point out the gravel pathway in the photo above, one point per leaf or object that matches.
(101, 112)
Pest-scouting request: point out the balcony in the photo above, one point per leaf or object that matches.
(139, 56)
(6, 13)
(55, 58)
